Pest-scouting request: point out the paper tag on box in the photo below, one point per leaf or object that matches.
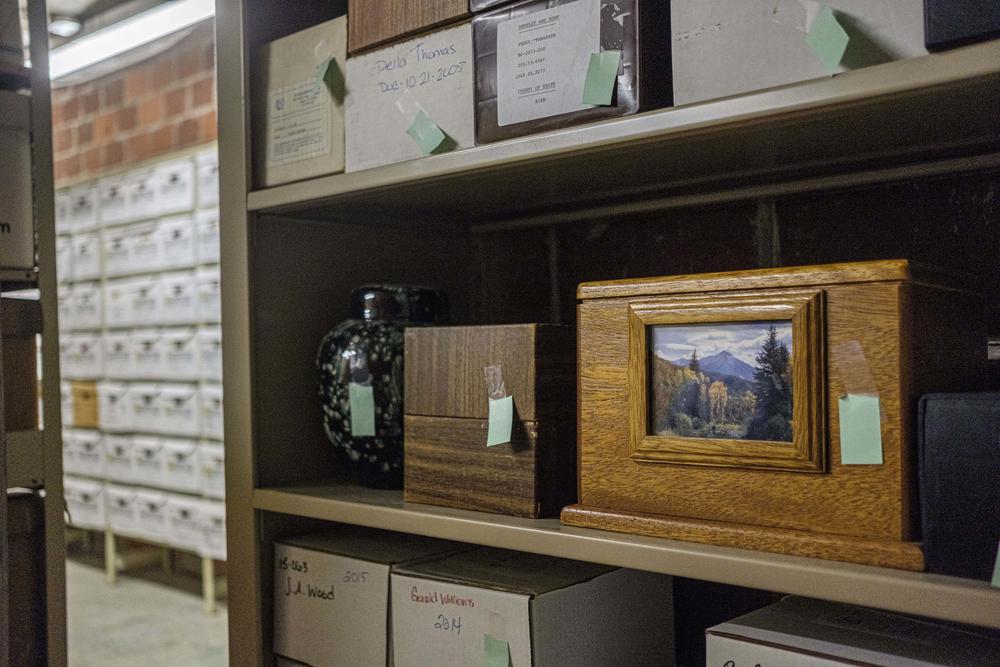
(298, 123)
(542, 61)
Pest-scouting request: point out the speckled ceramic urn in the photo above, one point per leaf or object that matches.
(360, 364)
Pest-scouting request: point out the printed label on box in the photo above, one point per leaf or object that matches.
(298, 123)
(542, 61)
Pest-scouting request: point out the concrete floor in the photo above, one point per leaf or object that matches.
(139, 622)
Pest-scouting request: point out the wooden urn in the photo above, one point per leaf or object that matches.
(447, 460)
(710, 405)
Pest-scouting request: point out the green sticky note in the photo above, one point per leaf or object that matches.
(501, 420)
(362, 400)
(328, 73)
(828, 39)
(996, 569)
(426, 133)
(602, 73)
(497, 652)
(860, 430)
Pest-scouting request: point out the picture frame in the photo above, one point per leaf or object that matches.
(806, 451)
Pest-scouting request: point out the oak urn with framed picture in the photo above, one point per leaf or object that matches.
(773, 409)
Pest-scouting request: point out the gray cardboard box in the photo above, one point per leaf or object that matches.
(799, 632)
(331, 594)
(299, 119)
(535, 610)
(727, 47)
(17, 228)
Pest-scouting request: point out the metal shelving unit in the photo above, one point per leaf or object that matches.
(289, 251)
(33, 458)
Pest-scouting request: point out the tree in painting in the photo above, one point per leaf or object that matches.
(742, 389)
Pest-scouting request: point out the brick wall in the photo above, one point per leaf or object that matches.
(152, 108)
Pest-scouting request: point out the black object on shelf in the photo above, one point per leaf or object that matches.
(951, 23)
(959, 459)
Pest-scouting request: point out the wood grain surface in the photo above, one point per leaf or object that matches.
(371, 23)
(448, 463)
(870, 502)
(445, 378)
(881, 553)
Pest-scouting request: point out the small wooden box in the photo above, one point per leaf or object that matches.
(447, 461)
(375, 22)
(85, 410)
(764, 469)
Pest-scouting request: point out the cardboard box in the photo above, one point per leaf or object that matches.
(119, 359)
(299, 129)
(386, 87)
(66, 403)
(69, 451)
(175, 186)
(85, 503)
(147, 353)
(210, 353)
(799, 631)
(65, 306)
(206, 224)
(118, 303)
(728, 47)
(207, 164)
(179, 410)
(213, 530)
(178, 298)
(88, 306)
(118, 458)
(84, 204)
(85, 408)
(181, 472)
(145, 407)
(331, 594)
(89, 453)
(184, 523)
(63, 223)
(209, 289)
(115, 251)
(212, 469)
(113, 205)
(145, 302)
(86, 356)
(86, 256)
(210, 406)
(535, 610)
(122, 509)
(17, 225)
(149, 464)
(116, 406)
(177, 242)
(180, 354)
(151, 516)
(140, 187)
(375, 22)
(64, 258)
(145, 253)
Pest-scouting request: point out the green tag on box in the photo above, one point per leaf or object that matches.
(501, 420)
(425, 133)
(602, 73)
(362, 399)
(497, 652)
(860, 430)
(828, 39)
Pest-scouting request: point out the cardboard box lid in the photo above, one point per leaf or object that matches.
(507, 571)
(861, 635)
(894, 270)
(445, 376)
(373, 546)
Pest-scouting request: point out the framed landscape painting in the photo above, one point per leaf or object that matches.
(729, 382)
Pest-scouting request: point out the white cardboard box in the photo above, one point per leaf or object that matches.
(145, 307)
(88, 454)
(151, 516)
(64, 258)
(213, 529)
(206, 223)
(146, 409)
(84, 202)
(69, 451)
(66, 343)
(209, 295)
(180, 354)
(331, 594)
(118, 464)
(212, 469)
(207, 163)
(300, 128)
(65, 395)
(182, 471)
(184, 522)
(119, 360)
(64, 224)
(548, 611)
(86, 256)
(727, 47)
(85, 503)
(86, 356)
(799, 632)
(113, 201)
(177, 242)
(210, 353)
(116, 251)
(145, 254)
(147, 353)
(114, 406)
(175, 186)
(142, 196)
(178, 298)
(88, 306)
(409, 73)
(179, 413)
(210, 405)
(123, 509)
(65, 305)
(118, 303)
(149, 463)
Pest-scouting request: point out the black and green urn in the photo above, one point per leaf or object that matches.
(360, 364)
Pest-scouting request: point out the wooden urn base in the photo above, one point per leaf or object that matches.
(844, 548)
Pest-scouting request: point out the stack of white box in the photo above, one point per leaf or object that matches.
(139, 310)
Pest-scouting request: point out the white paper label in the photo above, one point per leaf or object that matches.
(542, 61)
(298, 124)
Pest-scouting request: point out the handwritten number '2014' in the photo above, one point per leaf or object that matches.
(449, 624)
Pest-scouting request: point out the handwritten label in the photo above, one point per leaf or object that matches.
(298, 123)
(449, 623)
(440, 598)
(420, 65)
(542, 61)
